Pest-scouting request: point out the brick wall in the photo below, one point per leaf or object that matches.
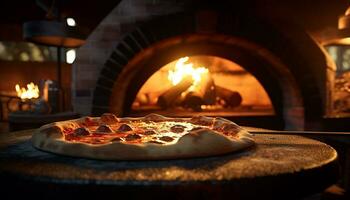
(92, 56)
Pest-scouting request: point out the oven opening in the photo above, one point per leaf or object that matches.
(203, 84)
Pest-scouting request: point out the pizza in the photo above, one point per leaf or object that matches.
(153, 137)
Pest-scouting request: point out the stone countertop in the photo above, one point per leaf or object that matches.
(280, 162)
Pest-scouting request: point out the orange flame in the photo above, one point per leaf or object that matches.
(31, 92)
(183, 69)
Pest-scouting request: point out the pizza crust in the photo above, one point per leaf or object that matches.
(197, 143)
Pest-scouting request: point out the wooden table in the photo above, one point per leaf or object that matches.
(278, 167)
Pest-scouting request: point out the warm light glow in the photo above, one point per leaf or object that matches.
(223, 79)
(183, 69)
(31, 92)
(71, 22)
(70, 56)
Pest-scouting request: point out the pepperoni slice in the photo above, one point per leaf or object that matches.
(124, 128)
(117, 139)
(81, 131)
(104, 129)
(132, 137)
(149, 132)
(88, 121)
(109, 118)
(177, 129)
(166, 138)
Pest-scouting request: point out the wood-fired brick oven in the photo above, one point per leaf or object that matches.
(138, 38)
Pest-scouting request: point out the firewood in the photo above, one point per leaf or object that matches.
(208, 90)
(193, 100)
(169, 97)
(231, 98)
(204, 95)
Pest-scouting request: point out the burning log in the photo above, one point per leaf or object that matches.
(204, 95)
(231, 98)
(169, 97)
(208, 90)
(194, 101)
(149, 98)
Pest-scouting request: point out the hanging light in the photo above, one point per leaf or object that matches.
(53, 30)
(53, 33)
(70, 21)
(70, 56)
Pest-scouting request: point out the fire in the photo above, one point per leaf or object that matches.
(183, 69)
(31, 92)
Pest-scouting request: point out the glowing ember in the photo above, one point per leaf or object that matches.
(183, 69)
(31, 92)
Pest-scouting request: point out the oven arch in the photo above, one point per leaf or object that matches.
(304, 103)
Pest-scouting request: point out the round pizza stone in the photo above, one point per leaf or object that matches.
(278, 166)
